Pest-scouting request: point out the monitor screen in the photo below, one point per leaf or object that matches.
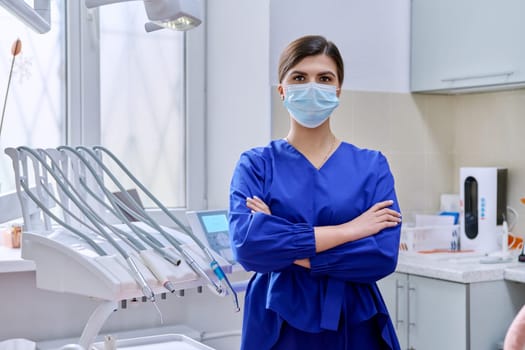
(212, 227)
(214, 222)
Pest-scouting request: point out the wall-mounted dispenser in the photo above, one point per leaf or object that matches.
(482, 207)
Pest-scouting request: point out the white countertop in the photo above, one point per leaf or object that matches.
(10, 261)
(460, 268)
(455, 268)
(515, 273)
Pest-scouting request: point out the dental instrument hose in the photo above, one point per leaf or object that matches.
(146, 290)
(216, 268)
(191, 262)
(13, 153)
(141, 233)
(142, 250)
(136, 245)
(97, 248)
(195, 266)
(131, 241)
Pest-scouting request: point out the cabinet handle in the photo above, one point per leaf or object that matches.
(480, 76)
(399, 289)
(411, 301)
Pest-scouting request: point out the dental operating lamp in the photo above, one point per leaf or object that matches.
(178, 15)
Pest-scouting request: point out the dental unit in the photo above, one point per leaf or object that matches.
(215, 266)
(96, 250)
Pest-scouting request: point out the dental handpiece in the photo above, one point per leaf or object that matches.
(193, 264)
(216, 268)
(146, 290)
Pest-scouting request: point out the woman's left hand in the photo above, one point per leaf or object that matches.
(257, 205)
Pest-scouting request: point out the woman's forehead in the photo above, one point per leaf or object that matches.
(322, 62)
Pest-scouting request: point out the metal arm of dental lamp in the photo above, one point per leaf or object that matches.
(37, 17)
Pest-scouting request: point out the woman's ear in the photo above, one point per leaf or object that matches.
(280, 90)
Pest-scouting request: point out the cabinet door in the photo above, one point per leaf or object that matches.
(437, 314)
(493, 306)
(394, 291)
(466, 43)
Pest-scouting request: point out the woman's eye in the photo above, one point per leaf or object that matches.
(325, 79)
(298, 78)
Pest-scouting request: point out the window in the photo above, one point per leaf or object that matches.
(35, 113)
(142, 100)
(122, 88)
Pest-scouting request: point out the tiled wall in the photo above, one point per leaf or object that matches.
(427, 138)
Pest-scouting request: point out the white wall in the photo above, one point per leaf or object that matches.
(244, 40)
(373, 37)
(238, 94)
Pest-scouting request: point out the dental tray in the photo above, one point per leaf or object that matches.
(157, 342)
(64, 263)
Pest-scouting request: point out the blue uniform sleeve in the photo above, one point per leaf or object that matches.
(261, 242)
(368, 259)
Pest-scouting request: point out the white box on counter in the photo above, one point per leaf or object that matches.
(429, 238)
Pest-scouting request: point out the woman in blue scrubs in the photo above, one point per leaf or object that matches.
(317, 219)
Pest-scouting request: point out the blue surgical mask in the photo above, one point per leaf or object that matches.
(310, 104)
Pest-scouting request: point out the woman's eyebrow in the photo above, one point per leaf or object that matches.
(327, 73)
(298, 72)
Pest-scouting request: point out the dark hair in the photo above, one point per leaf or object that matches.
(309, 45)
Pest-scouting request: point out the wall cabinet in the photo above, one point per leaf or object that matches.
(467, 45)
(434, 314)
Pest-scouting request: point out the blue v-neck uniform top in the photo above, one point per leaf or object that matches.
(341, 280)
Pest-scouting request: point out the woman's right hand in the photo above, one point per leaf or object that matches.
(378, 217)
